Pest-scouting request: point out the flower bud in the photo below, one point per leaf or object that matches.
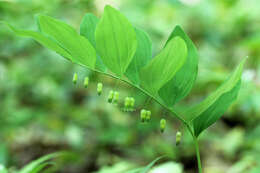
(75, 78)
(86, 80)
(143, 115)
(162, 125)
(148, 116)
(178, 138)
(99, 88)
(132, 102)
(110, 96)
(116, 97)
(127, 102)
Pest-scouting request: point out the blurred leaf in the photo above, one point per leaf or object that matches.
(87, 29)
(119, 167)
(3, 169)
(167, 167)
(4, 154)
(39, 163)
(41, 167)
(116, 40)
(142, 56)
(211, 109)
(180, 85)
(78, 46)
(164, 66)
(147, 168)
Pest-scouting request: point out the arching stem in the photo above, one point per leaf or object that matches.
(170, 110)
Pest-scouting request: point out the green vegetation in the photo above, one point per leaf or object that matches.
(112, 55)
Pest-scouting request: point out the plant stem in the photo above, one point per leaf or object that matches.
(197, 153)
(185, 122)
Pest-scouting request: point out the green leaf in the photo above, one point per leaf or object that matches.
(146, 168)
(142, 56)
(78, 46)
(42, 39)
(37, 164)
(41, 167)
(181, 84)
(212, 108)
(87, 29)
(116, 40)
(164, 66)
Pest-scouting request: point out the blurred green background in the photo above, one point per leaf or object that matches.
(41, 111)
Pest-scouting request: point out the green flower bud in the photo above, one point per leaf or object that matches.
(116, 97)
(143, 115)
(110, 96)
(132, 102)
(148, 116)
(162, 125)
(99, 88)
(127, 102)
(75, 78)
(178, 138)
(86, 80)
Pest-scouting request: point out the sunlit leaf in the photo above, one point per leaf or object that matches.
(78, 46)
(182, 82)
(164, 66)
(116, 40)
(142, 56)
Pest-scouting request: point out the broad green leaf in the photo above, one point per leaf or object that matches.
(164, 66)
(180, 85)
(212, 108)
(37, 164)
(142, 56)
(78, 46)
(116, 40)
(42, 39)
(87, 29)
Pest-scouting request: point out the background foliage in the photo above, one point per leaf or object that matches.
(41, 111)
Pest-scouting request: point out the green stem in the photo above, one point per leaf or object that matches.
(197, 154)
(170, 110)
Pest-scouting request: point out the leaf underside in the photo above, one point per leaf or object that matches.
(213, 107)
